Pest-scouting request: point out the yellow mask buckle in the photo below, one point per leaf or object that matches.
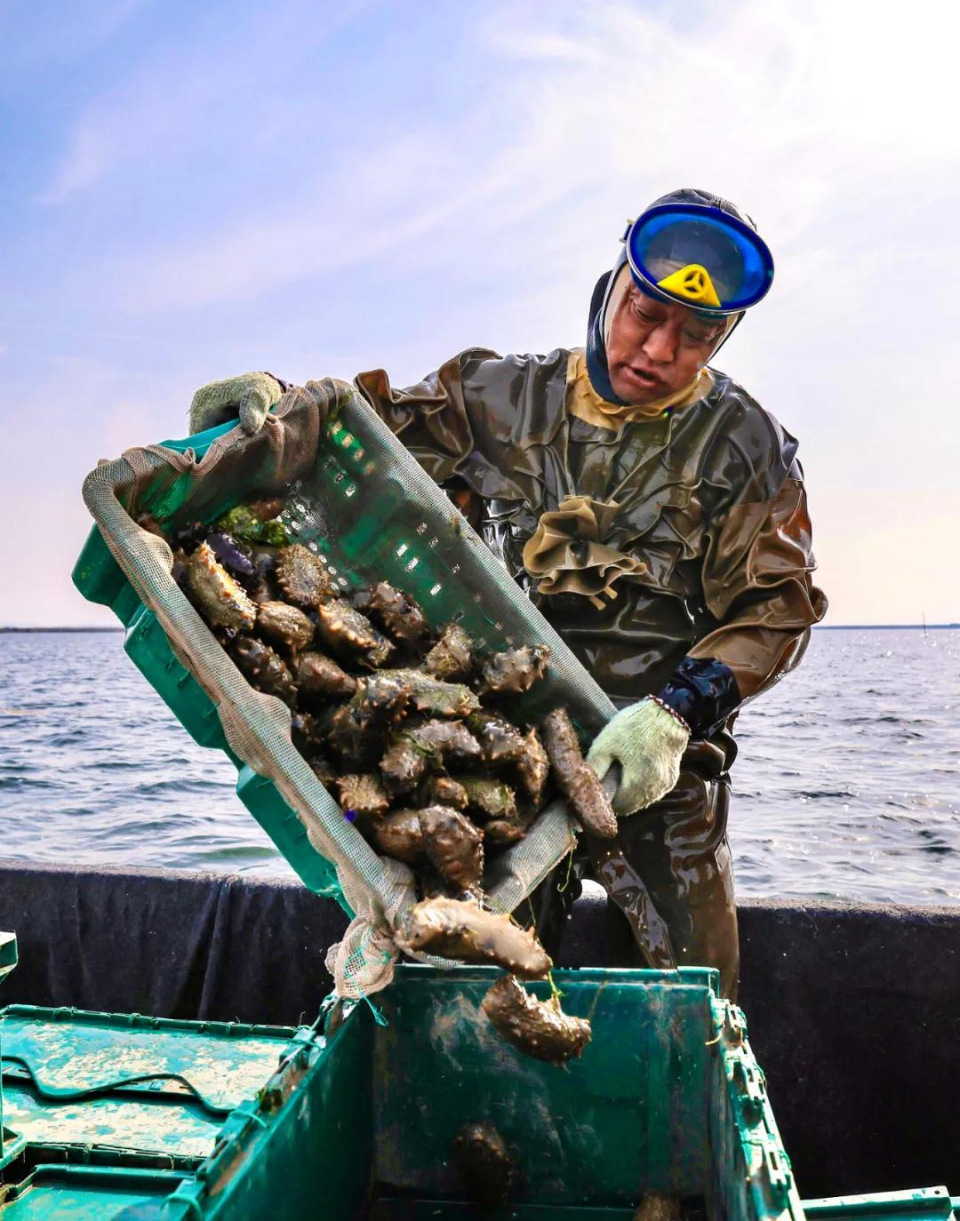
(692, 283)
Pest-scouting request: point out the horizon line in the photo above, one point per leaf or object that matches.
(817, 627)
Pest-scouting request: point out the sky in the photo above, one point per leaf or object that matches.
(191, 191)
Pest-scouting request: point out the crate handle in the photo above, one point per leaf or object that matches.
(200, 442)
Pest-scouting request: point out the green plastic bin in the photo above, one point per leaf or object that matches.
(667, 1097)
(367, 509)
(84, 1140)
(84, 1193)
(8, 960)
(358, 1126)
(100, 579)
(922, 1204)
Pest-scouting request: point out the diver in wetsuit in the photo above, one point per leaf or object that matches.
(656, 514)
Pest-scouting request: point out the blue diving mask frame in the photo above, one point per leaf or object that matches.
(699, 256)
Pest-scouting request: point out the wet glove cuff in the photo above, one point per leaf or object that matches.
(702, 692)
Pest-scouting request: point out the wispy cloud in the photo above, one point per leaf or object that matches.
(87, 159)
(309, 190)
(218, 82)
(362, 208)
(49, 31)
(749, 101)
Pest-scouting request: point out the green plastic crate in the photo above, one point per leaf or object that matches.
(667, 1097)
(8, 960)
(208, 1069)
(921, 1204)
(82, 1139)
(100, 579)
(358, 1126)
(75, 1193)
(363, 517)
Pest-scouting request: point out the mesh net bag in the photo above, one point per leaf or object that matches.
(358, 500)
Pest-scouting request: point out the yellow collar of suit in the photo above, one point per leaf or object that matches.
(584, 402)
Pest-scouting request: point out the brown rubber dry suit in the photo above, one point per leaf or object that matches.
(650, 536)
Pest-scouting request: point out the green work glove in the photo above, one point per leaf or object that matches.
(249, 396)
(647, 740)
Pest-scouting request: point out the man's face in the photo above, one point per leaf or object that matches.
(655, 347)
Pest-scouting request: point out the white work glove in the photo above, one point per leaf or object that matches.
(647, 740)
(249, 396)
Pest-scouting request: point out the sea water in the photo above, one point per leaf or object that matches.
(847, 784)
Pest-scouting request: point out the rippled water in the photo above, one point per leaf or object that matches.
(848, 780)
(847, 784)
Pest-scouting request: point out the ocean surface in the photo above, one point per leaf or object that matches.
(847, 784)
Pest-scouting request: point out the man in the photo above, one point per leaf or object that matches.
(656, 514)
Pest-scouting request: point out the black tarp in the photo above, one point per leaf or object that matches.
(854, 1011)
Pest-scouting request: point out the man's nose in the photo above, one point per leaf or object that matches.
(661, 344)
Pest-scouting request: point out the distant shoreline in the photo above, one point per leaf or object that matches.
(886, 627)
(20, 630)
(820, 627)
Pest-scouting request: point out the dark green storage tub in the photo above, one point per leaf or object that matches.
(84, 1193)
(924, 1204)
(108, 1115)
(266, 1122)
(668, 1097)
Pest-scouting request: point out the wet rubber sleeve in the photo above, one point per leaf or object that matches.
(758, 587)
(469, 424)
(434, 419)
